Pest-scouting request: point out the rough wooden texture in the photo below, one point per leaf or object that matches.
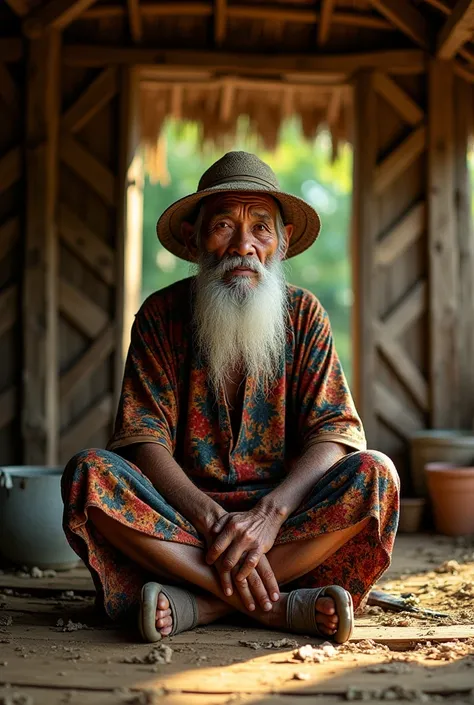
(398, 98)
(396, 163)
(55, 14)
(135, 20)
(443, 249)
(220, 21)
(79, 434)
(406, 17)
(40, 340)
(327, 10)
(91, 101)
(458, 29)
(90, 248)
(365, 229)
(86, 315)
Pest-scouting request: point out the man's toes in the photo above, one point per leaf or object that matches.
(164, 622)
(163, 602)
(326, 605)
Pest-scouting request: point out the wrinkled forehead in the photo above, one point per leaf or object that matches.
(237, 202)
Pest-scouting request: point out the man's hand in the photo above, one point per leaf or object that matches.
(241, 540)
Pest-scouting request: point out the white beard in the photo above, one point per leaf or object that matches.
(240, 326)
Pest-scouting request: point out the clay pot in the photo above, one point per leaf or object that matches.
(440, 446)
(451, 489)
(411, 514)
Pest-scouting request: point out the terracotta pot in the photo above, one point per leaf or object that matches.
(451, 489)
(411, 514)
(441, 445)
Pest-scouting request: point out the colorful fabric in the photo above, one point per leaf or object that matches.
(361, 485)
(166, 398)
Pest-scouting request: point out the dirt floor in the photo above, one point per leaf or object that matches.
(54, 648)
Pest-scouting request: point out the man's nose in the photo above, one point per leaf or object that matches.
(241, 243)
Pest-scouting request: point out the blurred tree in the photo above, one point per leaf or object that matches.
(303, 169)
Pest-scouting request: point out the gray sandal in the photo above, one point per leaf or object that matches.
(301, 612)
(183, 605)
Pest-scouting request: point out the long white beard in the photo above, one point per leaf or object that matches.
(241, 326)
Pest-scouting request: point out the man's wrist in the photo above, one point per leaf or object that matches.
(208, 517)
(274, 508)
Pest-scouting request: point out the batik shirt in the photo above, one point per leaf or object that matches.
(166, 397)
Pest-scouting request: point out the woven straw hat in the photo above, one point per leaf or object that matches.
(239, 171)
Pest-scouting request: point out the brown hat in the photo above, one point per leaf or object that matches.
(239, 171)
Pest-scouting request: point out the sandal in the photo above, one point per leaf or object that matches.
(301, 612)
(183, 605)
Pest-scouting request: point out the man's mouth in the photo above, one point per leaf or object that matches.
(241, 272)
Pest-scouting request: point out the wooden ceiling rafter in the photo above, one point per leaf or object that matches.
(19, 7)
(324, 25)
(220, 21)
(56, 14)
(457, 30)
(406, 18)
(135, 20)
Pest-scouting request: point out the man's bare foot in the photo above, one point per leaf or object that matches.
(209, 609)
(326, 616)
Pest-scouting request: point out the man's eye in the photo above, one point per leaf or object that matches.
(222, 224)
(260, 227)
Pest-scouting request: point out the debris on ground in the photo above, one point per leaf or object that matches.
(394, 667)
(451, 567)
(446, 651)
(301, 676)
(365, 646)
(34, 572)
(276, 644)
(315, 654)
(160, 654)
(16, 698)
(394, 692)
(71, 626)
(5, 622)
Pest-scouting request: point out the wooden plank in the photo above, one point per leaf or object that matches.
(406, 18)
(93, 172)
(9, 236)
(10, 168)
(40, 316)
(91, 101)
(457, 30)
(20, 7)
(396, 163)
(402, 365)
(220, 21)
(407, 311)
(77, 436)
(443, 249)
(8, 406)
(8, 308)
(393, 61)
(401, 236)
(464, 120)
(86, 245)
(364, 233)
(55, 14)
(135, 20)
(83, 313)
(11, 49)
(100, 349)
(398, 98)
(9, 92)
(395, 413)
(327, 10)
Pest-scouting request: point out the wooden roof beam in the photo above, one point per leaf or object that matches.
(57, 14)
(457, 30)
(19, 7)
(327, 9)
(135, 20)
(407, 18)
(220, 21)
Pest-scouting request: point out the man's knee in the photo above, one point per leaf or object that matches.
(80, 464)
(381, 464)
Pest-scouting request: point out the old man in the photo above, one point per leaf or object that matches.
(237, 478)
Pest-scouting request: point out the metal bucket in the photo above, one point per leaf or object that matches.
(31, 511)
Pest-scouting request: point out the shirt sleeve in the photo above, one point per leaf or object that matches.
(326, 410)
(148, 406)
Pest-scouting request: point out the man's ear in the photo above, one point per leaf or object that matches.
(286, 241)
(189, 237)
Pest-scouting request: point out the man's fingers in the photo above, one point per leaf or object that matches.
(220, 523)
(250, 563)
(267, 575)
(245, 594)
(258, 590)
(223, 540)
(226, 582)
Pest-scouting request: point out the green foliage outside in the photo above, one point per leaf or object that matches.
(303, 169)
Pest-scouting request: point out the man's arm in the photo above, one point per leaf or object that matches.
(171, 481)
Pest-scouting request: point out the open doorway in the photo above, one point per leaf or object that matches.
(305, 168)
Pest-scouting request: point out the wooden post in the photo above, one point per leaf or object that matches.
(464, 117)
(40, 376)
(130, 218)
(443, 255)
(364, 232)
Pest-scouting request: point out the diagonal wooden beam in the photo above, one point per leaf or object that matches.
(457, 30)
(9, 236)
(81, 311)
(135, 20)
(8, 308)
(396, 163)
(398, 98)
(220, 21)
(93, 172)
(9, 92)
(93, 251)
(19, 7)
(78, 435)
(57, 14)
(91, 101)
(10, 168)
(327, 10)
(407, 18)
(408, 310)
(401, 236)
(100, 349)
(395, 413)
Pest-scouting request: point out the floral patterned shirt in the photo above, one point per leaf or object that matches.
(166, 398)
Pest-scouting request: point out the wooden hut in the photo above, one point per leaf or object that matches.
(83, 82)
